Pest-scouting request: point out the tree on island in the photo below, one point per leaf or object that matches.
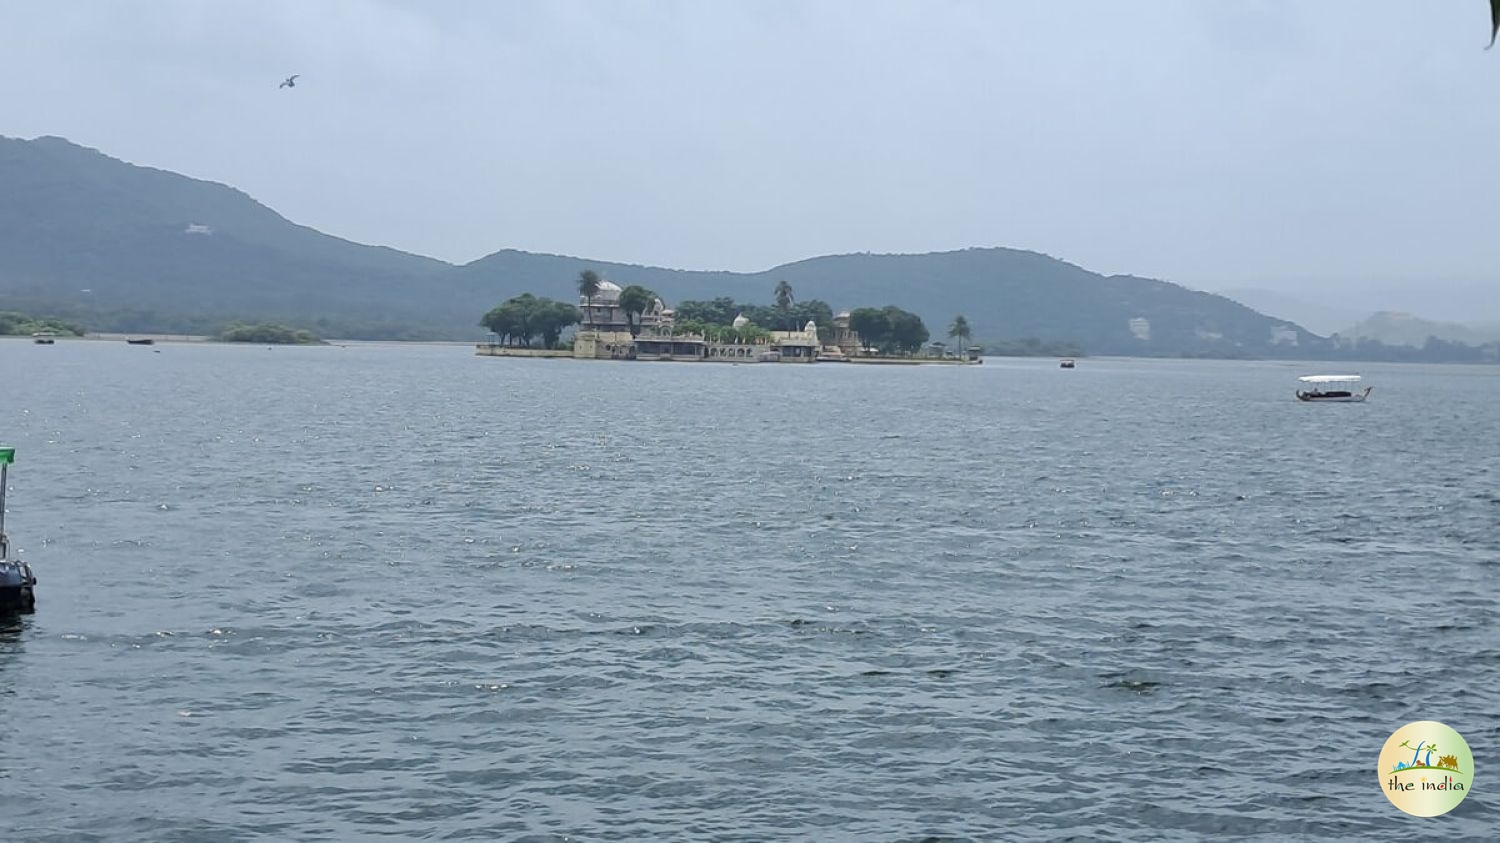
(522, 317)
(872, 326)
(551, 317)
(269, 334)
(908, 332)
(722, 311)
(719, 311)
(889, 330)
(690, 326)
(959, 330)
(784, 299)
(636, 300)
(588, 284)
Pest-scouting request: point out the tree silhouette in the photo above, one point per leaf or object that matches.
(959, 330)
(519, 319)
(635, 300)
(784, 299)
(588, 284)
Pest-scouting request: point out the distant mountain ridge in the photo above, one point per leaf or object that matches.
(1321, 319)
(157, 250)
(1394, 328)
(93, 236)
(1004, 293)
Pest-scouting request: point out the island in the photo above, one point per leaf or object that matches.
(269, 334)
(634, 323)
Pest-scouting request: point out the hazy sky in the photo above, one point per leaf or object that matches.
(1272, 143)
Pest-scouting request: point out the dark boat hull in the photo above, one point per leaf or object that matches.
(17, 588)
(1335, 396)
(17, 601)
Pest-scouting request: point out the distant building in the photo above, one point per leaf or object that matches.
(845, 338)
(604, 327)
(797, 346)
(604, 333)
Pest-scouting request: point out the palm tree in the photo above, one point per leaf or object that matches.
(784, 297)
(1421, 745)
(588, 284)
(960, 330)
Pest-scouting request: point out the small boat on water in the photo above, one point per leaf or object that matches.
(142, 341)
(17, 582)
(1335, 388)
(43, 337)
(1067, 363)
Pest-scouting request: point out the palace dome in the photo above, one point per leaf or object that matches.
(608, 291)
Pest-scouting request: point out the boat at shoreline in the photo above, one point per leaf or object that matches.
(142, 341)
(1333, 388)
(17, 582)
(44, 337)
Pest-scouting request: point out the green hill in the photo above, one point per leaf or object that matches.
(115, 246)
(132, 248)
(1004, 293)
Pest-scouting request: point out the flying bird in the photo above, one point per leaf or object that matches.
(1494, 21)
(291, 81)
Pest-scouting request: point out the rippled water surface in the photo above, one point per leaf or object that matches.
(378, 591)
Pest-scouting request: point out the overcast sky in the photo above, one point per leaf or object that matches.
(1271, 143)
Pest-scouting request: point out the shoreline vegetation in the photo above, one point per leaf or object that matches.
(611, 322)
(269, 334)
(1347, 350)
(13, 324)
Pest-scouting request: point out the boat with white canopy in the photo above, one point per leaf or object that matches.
(1343, 388)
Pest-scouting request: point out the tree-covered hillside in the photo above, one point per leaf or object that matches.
(94, 240)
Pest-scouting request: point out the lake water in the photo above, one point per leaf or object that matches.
(380, 591)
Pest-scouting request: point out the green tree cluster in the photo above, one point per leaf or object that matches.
(269, 334)
(522, 318)
(890, 329)
(746, 334)
(723, 310)
(19, 324)
(636, 300)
